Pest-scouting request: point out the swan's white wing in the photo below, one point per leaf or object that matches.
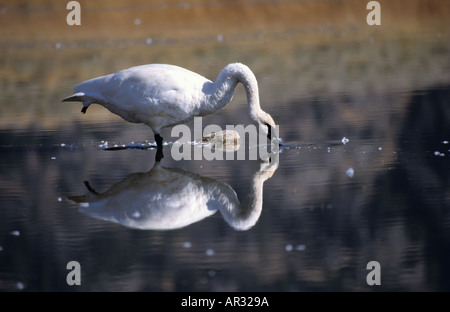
(157, 94)
(162, 199)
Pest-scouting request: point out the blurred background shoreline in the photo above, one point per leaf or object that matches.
(45, 20)
(297, 49)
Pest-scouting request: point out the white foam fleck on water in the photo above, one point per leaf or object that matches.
(187, 244)
(300, 247)
(350, 172)
(15, 233)
(345, 140)
(288, 247)
(210, 252)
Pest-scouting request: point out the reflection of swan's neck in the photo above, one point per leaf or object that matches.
(243, 219)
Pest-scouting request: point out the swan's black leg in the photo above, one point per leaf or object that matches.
(159, 155)
(159, 152)
(159, 140)
(89, 187)
(269, 132)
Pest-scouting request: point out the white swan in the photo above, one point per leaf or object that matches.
(170, 198)
(161, 95)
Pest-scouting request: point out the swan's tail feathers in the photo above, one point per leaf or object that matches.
(76, 97)
(78, 198)
(80, 97)
(92, 195)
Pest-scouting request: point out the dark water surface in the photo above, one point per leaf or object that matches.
(319, 225)
(329, 208)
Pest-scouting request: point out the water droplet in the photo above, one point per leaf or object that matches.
(350, 172)
(187, 244)
(15, 233)
(20, 285)
(345, 140)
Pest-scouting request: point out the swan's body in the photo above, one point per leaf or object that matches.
(170, 198)
(161, 95)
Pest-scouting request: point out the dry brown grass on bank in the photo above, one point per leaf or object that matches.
(115, 19)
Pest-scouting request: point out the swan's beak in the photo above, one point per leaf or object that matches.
(271, 131)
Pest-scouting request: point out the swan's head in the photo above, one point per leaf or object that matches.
(268, 126)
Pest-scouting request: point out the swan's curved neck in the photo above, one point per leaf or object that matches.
(226, 83)
(243, 218)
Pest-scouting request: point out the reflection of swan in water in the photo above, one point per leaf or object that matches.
(170, 198)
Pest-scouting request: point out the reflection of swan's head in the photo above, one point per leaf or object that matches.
(169, 198)
(245, 218)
